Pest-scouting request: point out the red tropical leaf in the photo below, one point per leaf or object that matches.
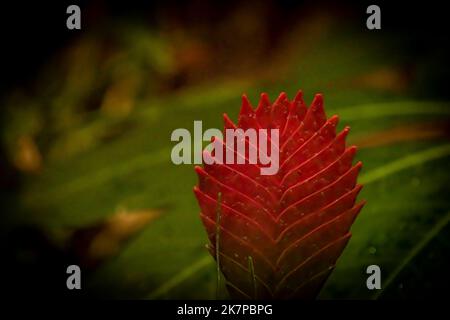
(281, 235)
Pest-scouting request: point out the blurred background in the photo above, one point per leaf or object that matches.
(86, 118)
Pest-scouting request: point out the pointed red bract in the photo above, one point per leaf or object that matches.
(293, 225)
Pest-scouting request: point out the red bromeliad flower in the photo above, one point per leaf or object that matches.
(279, 236)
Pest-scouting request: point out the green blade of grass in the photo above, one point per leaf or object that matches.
(404, 163)
(180, 277)
(413, 253)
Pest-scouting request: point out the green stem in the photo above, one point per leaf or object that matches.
(218, 216)
(252, 276)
